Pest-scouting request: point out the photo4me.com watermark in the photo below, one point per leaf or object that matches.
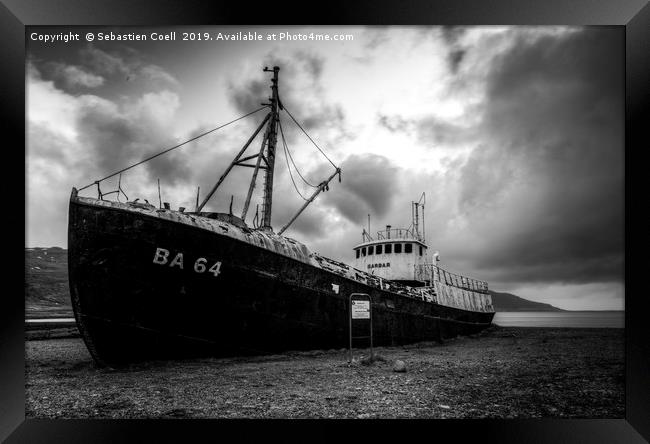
(207, 36)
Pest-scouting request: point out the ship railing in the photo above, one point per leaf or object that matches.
(398, 233)
(427, 293)
(432, 273)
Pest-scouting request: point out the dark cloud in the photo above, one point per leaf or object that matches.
(394, 123)
(115, 140)
(249, 96)
(301, 93)
(127, 64)
(454, 58)
(375, 37)
(433, 131)
(309, 225)
(429, 130)
(313, 64)
(47, 144)
(114, 134)
(548, 181)
(109, 136)
(369, 183)
(103, 62)
(452, 36)
(71, 76)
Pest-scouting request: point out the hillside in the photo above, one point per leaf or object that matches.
(47, 293)
(510, 302)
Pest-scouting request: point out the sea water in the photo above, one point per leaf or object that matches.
(576, 319)
(569, 319)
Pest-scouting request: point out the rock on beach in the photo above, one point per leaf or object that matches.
(399, 366)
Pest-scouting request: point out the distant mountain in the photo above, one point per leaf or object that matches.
(46, 286)
(510, 302)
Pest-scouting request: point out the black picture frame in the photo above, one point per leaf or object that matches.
(634, 15)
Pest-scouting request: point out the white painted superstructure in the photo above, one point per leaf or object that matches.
(393, 255)
(400, 255)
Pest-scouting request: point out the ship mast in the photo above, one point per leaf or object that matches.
(267, 154)
(272, 131)
(268, 146)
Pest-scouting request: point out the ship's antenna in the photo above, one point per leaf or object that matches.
(424, 238)
(159, 198)
(413, 223)
(420, 203)
(198, 189)
(416, 221)
(368, 223)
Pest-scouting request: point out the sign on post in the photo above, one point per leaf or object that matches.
(360, 308)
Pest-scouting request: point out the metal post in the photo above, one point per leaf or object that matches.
(372, 356)
(417, 221)
(350, 324)
(424, 201)
(270, 152)
(159, 198)
(253, 180)
(369, 225)
(350, 330)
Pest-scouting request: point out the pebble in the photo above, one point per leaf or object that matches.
(399, 366)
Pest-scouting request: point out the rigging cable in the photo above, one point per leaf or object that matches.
(312, 141)
(286, 158)
(284, 140)
(169, 149)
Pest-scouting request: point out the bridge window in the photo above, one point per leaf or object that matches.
(371, 250)
(408, 248)
(398, 248)
(378, 249)
(358, 253)
(389, 248)
(363, 251)
(420, 250)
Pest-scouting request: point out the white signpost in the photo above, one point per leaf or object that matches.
(360, 309)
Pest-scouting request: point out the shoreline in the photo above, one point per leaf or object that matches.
(67, 329)
(503, 372)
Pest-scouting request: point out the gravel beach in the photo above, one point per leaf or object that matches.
(500, 373)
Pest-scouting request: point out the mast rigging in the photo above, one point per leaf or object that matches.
(267, 152)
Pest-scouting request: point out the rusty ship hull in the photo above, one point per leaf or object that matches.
(135, 298)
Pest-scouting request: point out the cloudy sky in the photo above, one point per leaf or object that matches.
(514, 133)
